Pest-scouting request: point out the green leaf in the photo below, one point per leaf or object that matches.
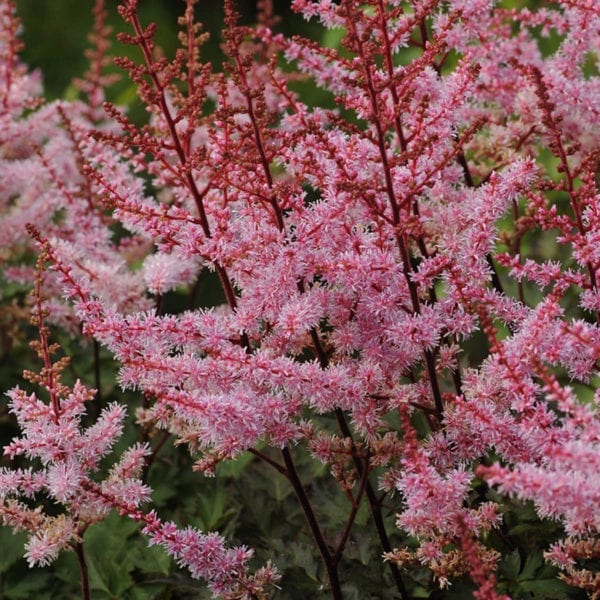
(234, 468)
(12, 547)
(152, 559)
(511, 565)
(110, 571)
(304, 557)
(35, 585)
(296, 581)
(99, 576)
(420, 592)
(212, 504)
(532, 563)
(547, 589)
(280, 489)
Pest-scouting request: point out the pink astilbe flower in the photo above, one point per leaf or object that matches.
(205, 556)
(44, 180)
(369, 248)
(409, 279)
(68, 455)
(51, 433)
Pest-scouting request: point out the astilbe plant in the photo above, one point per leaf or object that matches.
(390, 306)
(69, 455)
(63, 455)
(44, 154)
(43, 182)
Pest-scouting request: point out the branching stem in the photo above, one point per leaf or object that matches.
(83, 572)
(328, 558)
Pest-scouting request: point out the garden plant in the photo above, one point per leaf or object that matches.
(316, 319)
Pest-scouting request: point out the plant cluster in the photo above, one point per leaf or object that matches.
(402, 226)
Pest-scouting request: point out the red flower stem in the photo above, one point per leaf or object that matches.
(49, 380)
(97, 378)
(324, 362)
(328, 559)
(269, 461)
(375, 506)
(160, 88)
(337, 555)
(389, 186)
(179, 149)
(260, 146)
(83, 572)
(389, 66)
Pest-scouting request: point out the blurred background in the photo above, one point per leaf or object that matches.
(55, 34)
